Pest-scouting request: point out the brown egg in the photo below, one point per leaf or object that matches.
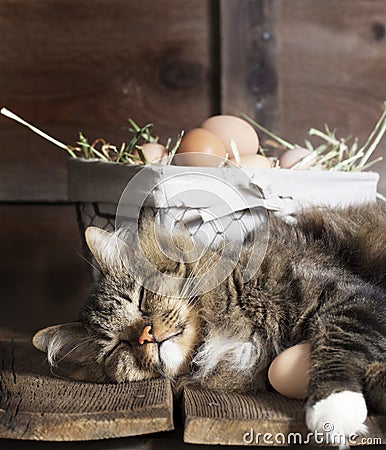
(200, 147)
(153, 152)
(231, 127)
(254, 162)
(291, 157)
(288, 372)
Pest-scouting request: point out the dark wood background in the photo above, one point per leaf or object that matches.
(71, 65)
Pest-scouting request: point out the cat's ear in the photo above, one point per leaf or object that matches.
(58, 340)
(108, 250)
(70, 350)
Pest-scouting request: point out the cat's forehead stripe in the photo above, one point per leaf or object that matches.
(126, 296)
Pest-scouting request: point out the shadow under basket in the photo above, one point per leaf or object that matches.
(188, 194)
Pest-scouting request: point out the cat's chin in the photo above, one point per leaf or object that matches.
(172, 358)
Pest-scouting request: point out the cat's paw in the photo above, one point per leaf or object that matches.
(338, 415)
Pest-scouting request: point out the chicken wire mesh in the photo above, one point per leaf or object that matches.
(212, 233)
(212, 204)
(94, 214)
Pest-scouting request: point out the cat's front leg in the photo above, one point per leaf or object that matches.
(335, 403)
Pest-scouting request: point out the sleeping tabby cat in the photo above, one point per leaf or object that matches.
(322, 280)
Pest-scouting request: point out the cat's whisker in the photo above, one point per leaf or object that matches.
(196, 288)
(89, 262)
(191, 278)
(188, 282)
(185, 309)
(162, 372)
(56, 375)
(182, 308)
(80, 342)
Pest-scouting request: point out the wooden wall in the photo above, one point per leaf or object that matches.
(297, 64)
(70, 65)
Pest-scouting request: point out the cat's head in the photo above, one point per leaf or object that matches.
(126, 332)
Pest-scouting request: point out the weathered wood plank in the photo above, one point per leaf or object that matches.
(268, 419)
(249, 81)
(89, 66)
(331, 64)
(298, 64)
(37, 406)
(159, 441)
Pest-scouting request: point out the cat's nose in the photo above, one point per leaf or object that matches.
(146, 335)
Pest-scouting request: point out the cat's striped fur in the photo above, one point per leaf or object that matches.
(322, 280)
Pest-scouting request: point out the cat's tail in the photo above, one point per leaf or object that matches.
(375, 388)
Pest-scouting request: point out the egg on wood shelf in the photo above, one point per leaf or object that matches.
(288, 372)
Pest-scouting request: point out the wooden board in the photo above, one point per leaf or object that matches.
(35, 405)
(332, 65)
(88, 66)
(249, 81)
(268, 419)
(298, 64)
(44, 279)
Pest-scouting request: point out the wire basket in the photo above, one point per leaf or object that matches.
(214, 232)
(107, 194)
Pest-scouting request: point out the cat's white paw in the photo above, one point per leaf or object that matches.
(339, 414)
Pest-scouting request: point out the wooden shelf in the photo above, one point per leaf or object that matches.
(266, 419)
(36, 406)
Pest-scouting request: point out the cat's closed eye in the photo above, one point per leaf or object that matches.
(126, 296)
(116, 346)
(140, 300)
